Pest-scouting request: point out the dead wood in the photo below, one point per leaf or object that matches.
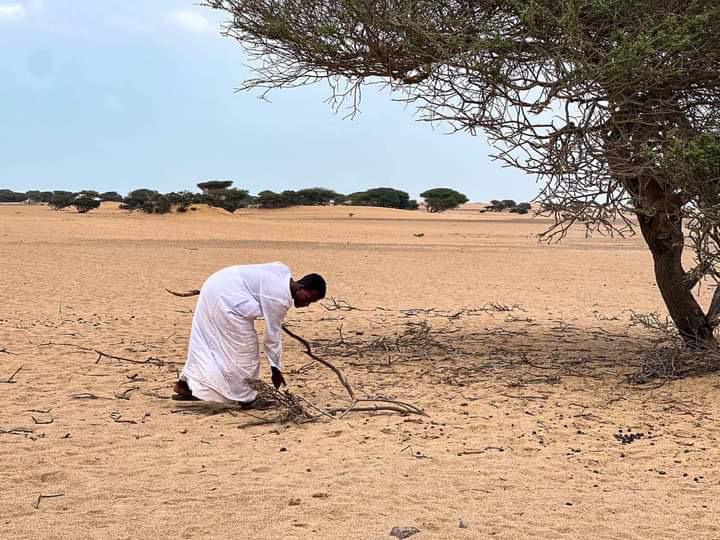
(11, 379)
(185, 294)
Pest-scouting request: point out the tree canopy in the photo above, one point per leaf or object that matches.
(615, 104)
(384, 196)
(441, 199)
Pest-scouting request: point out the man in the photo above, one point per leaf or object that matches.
(223, 353)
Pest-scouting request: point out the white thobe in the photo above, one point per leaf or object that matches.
(223, 352)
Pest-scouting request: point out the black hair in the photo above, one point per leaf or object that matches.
(314, 282)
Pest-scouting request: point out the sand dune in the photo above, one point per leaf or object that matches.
(517, 350)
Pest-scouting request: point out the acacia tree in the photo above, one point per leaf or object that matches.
(615, 104)
(441, 199)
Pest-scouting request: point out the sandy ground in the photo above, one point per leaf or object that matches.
(518, 351)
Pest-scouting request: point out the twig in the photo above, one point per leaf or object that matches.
(10, 379)
(149, 360)
(5, 351)
(126, 393)
(42, 422)
(186, 294)
(41, 497)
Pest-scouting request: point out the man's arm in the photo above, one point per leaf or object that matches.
(274, 313)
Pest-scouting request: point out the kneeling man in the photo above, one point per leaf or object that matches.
(223, 352)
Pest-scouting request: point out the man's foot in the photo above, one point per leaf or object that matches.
(182, 392)
(258, 404)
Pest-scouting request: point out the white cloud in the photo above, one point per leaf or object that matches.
(12, 12)
(191, 21)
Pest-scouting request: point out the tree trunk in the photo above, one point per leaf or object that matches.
(664, 236)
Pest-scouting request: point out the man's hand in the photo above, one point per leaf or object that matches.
(277, 378)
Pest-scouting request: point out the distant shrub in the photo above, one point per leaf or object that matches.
(319, 197)
(181, 200)
(83, 203)
(147, 200)
(212, 186)
(441, 199)
(384, 197)
(495, 206)
(61, 199)
(270, 199)
(508, 203)
(8, 195)
(231, 199)
(522, 208)
(111, 196)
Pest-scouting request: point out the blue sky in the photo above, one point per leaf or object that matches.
(122, 94)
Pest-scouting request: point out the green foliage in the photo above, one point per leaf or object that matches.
(212, 186)
(83, 202)
(8, 195)
(270, 199)
(111, 196)
(181, 200)
(384, 197)
(147, 200)
(441, 199)
(231, 199)
(61, 199)
(319, 196)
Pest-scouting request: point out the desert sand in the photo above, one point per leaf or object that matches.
(518, 352)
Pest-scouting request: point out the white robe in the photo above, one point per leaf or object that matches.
(223, 351)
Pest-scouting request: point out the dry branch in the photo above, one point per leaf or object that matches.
(308, 351)
(185, 294)
(11, 379)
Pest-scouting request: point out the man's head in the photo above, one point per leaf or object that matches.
(307, 290)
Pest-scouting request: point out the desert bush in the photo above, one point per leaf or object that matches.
(83, 203)
(111, 196)
(61, 199)
(8, 195)
(231, 199)
(212, 186)
(319, 196)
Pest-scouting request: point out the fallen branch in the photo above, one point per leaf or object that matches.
(186, 294)
(308, 351)
(11, 379)
(41, 497)
(5, 351)
(150, 360)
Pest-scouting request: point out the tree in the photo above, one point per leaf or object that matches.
(231, 199)
(383, 196)
(441, 199)
(181, 200)
(147, 200)
(111, 196)
(61, 199)
(319, 197)
(8, 195)
(83, 203)
(212, 186)
(613, 103)
(270, 199)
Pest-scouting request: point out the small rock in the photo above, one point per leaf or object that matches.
(283, 449)
(294, 502)
(403, 532)
(462, 524)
